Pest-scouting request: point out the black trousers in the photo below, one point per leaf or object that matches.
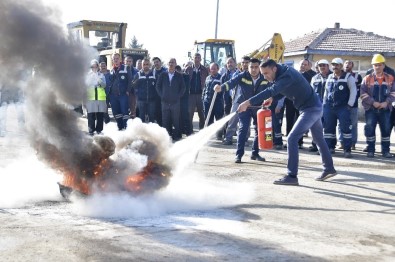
(170, 118)
(95, 122)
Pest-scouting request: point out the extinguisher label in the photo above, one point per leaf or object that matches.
(268, 136)
(268, 122)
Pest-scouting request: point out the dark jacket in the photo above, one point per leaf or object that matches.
(203, 73)
(228, 100)
(318, 82)
(309, 75)
(170, 92)
(145, 86)
(120, 81)
(208, 91)
(372, 92)
(158, 72)
(246, 85)
(291, 84)
(338, 91)
(358, 81)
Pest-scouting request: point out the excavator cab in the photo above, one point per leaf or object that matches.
(214, 50)
(107, 38)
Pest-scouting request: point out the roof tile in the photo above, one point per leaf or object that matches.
(339, 39)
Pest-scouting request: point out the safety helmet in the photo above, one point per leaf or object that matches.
(323, 61)
(377, 59)
(94, 62)
(337, 60)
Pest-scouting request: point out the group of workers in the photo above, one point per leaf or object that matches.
(324, 102)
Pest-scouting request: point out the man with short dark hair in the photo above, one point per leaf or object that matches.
(132, 96)
(197, 75)
(158, 69)
(232, 124)
(119, 91)
(250, 82)
(144, 84)
(348, 68)
(170, 87)
(288, 82)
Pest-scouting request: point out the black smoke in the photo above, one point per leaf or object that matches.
(32, 36)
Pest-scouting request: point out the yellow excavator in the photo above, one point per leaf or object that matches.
(107, 38)
(273, 49)
(218, 50)
(214, 50)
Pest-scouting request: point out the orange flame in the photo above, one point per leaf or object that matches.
(84, 183)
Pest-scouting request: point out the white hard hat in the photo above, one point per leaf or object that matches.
(94, 62)
(337, 60)
(323, 61)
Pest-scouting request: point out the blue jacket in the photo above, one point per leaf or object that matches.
(318, 82)
(341, 91)
(291, 84)
(144, 86)
(120, 81)
(246, 85)
(225, 77)
(208, 90)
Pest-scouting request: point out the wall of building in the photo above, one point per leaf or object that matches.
(361, 63)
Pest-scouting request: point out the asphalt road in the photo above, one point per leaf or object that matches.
(215, 210)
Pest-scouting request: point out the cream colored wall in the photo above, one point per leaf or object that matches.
(361, 63)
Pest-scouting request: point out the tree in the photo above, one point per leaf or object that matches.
(134, 43)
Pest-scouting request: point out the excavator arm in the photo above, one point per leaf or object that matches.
(272, 49)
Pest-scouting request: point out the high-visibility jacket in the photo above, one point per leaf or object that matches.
(96, 93)
(97, 84)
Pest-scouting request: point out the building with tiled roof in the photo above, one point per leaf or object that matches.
(357, 45)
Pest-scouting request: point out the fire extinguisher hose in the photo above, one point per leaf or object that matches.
(207, 118)
(210, 109)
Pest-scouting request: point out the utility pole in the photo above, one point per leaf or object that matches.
(216, 20)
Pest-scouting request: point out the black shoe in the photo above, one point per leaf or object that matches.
(227, 143)
(238, 160)
(258, 158)
(313, 149)
(106, 119)
(332, 151)
(278, 147)
(370, 154)
(387, 155)
(365, 149)
(287, 181)
(347, 155)
(326, 174)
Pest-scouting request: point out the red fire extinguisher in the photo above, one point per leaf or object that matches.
(265, 137)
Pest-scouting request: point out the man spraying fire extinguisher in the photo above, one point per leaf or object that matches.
(290, 83)
(251, 82)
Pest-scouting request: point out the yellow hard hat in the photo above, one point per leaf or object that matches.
(377, 59)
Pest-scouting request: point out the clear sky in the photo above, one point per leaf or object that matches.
(169, 28)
